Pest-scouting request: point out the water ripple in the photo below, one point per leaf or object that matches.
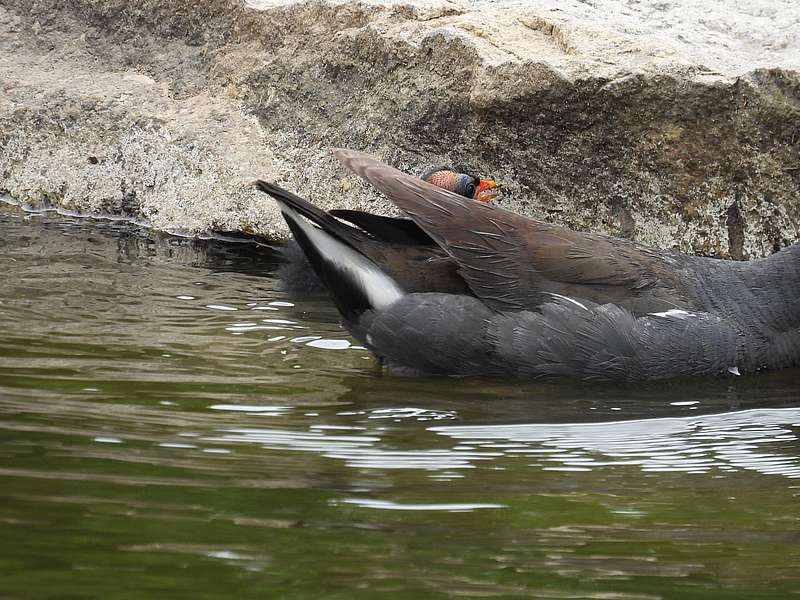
(388, 505)
(754, 440)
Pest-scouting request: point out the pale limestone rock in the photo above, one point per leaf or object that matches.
(674, 123)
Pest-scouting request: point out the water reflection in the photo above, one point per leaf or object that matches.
(146, 428)
(387, 505)
(755, 440)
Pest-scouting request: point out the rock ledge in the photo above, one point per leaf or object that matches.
(670, 124)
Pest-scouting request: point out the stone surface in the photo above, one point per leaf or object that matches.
(670, 123)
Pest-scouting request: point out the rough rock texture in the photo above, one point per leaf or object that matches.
(665, 122)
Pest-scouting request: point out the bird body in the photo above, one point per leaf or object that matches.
(523, 298)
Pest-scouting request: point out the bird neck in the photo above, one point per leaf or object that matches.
(444, 179)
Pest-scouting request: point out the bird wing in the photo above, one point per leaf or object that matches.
(509, 260)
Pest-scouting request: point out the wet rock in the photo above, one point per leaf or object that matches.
(672, 124)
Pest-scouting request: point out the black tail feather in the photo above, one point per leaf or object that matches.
(354, 281)
(347, 234)
(349, 299)
(386, 229)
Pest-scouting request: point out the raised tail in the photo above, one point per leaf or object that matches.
(316, 215)
(354, 281)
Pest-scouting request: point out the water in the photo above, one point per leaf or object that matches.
(172, 425)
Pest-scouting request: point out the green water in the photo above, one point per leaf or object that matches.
(172, 425)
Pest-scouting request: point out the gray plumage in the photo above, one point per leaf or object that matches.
(459, 335)
(541, 301)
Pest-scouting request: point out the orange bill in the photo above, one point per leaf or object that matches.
(483, 193)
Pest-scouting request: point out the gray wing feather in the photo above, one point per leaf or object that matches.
(439, 333)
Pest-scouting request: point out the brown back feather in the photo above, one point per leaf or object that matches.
(509, 260)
